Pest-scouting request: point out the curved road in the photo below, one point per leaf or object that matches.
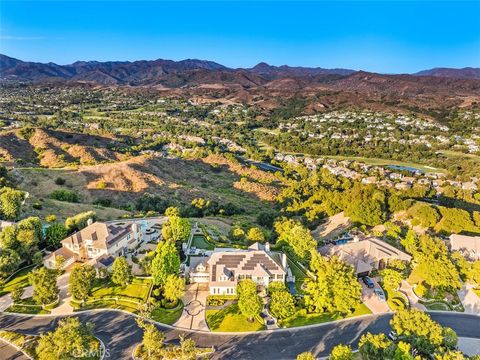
(120, 334)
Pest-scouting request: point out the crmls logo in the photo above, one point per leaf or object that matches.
(102, 353)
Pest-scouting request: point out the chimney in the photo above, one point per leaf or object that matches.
(267, 246)
(284, 261)
(89, 221)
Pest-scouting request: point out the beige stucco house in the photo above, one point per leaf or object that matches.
(365, 255)
(223, 269)
(97, 243)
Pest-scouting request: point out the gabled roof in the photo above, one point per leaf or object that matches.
(103, 235)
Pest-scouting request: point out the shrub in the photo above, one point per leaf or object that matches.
(50, 218)
(65, 195)
(37, 205)
(101, 185)
(60, 181)
(421, 290)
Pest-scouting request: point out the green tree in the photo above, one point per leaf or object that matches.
(121, 271)
(305, 356)
(423, 214)
(282, 303)
(249, 303)
(10, 203)
(403, 351)
(373, 347)
(17, 293)
(172, 211)
(79, 221)
(71, 339)
(296, 237)
(450, 338)
(29, 235)
(335, 288)
(416, 328)
(152, 340)
(179, 228)
(81, 281)
(367, 205)
(165, 262)
(237, 233)
(391, 278)
(255, 234)
(451, 355)
(174, 288)
(341, 352)
(44, 282)
(54, 234)
(9, 262)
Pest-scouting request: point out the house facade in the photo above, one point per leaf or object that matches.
(98, 241)
(224, 269)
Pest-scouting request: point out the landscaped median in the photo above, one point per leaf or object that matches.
(30, 306)
(17, 279)
(303, 318)
(131, 298)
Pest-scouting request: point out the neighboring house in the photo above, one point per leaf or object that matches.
(469, 246)
(98, 241)
(226, 267)
(365, 255)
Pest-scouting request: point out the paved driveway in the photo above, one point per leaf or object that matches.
(372, 301)
(193, 315)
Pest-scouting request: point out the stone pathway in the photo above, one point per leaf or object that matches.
(407, 289)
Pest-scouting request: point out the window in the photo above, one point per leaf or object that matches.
(279, 276)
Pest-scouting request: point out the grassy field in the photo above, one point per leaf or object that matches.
(302, 318)
(200, 242)
(138, 290)
(19, 279)
(230, 319)
(299, 274)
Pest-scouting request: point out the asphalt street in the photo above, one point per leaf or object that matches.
(121, 334)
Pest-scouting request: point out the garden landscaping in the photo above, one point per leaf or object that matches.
(230, 319)
(200, 242)
(20, 278)
(302, 318)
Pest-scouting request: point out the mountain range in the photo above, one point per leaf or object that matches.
(190, 72)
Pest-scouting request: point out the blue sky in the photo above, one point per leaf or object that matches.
(389, 37)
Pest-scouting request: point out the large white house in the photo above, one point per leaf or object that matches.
(98, 243)
(223, 269)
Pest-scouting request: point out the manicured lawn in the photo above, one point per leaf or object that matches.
(137, 290)
(20, 278)
(200, 242)
(105, 304)
(299, 274)
(27, 309)
(302, 318)
(167, 316)
(437, 306)
(230, 319)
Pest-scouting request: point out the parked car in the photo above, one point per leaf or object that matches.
(392, 335)
(380, 294)
(369, 282)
